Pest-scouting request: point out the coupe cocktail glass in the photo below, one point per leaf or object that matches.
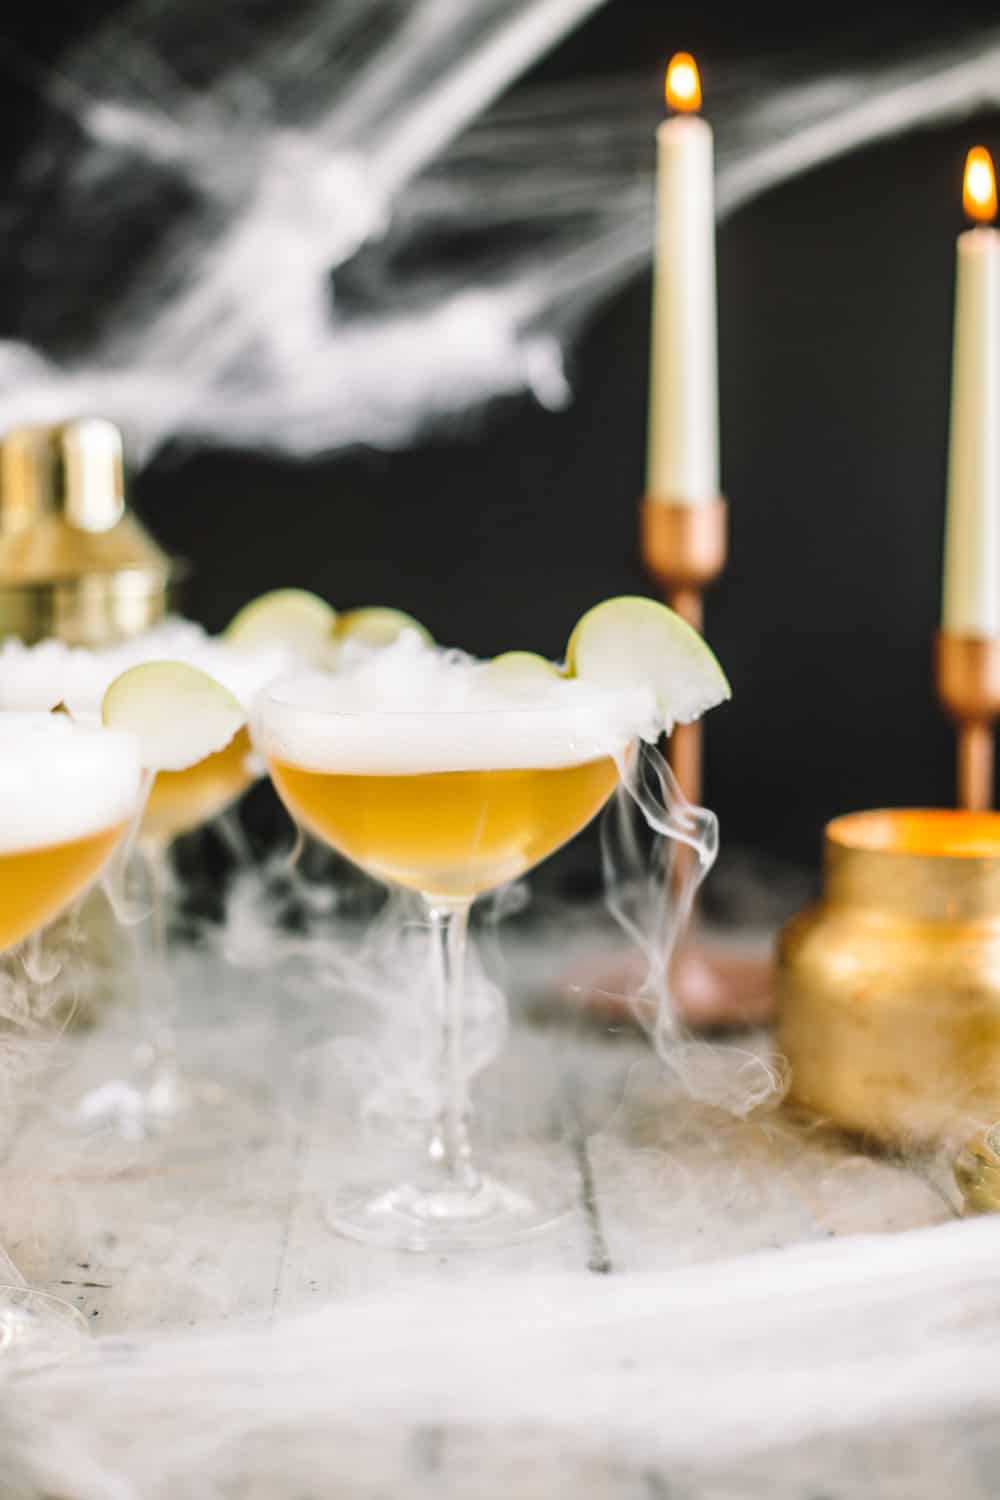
(451, 805)
(67, 796)
(42, 675)
(178, 802)
(148, 1092)
(181, 801)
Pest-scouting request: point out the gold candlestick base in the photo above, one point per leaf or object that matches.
(684, 547)
(967, 676)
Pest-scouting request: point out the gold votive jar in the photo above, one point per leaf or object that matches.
(889, 987)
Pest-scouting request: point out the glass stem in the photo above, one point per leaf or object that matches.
(162, 1042)
(449, 1147)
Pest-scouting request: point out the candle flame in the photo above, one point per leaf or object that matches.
(979, 190)
(683, 83)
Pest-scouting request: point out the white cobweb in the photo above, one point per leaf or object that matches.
(333, 222)
(547, 1390)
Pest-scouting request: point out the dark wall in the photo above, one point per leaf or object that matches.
(835, 309)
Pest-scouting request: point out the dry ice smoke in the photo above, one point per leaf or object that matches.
(657, 848)
(331, 222)
(48, 673)
(371, 956)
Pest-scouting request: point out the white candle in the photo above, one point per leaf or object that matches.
(683, 460)
(971, 598)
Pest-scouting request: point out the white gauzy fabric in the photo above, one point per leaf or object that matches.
(698, 1368)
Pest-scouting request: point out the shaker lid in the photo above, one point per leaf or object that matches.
(63, 509)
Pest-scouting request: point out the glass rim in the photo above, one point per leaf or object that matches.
(271, 697)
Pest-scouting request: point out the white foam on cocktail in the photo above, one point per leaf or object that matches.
(61, 781)
(40, 676)
(410, 708)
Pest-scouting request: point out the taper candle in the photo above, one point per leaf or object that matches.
(683, 437)
(971, 595)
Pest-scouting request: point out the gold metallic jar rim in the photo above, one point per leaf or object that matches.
(928, 832)
(931, 864)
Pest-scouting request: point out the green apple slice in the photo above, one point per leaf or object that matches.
(377, 625)
(178, 713)
(636, 642)
(285, 617)
(522, 674)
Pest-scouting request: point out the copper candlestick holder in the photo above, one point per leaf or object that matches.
(717, 983)
(967, 675)
(684, 547)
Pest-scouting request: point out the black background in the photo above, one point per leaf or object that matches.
(835, 300)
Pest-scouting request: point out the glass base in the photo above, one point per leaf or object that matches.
(130, 1110)
(38, 1329)
(407, 1217)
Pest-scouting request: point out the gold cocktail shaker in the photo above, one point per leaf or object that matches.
(74, 561)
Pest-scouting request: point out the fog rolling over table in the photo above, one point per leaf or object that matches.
(704, 1316)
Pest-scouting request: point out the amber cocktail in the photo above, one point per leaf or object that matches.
(448, 834)
(43, 675)
(180, 801)
(67, 796)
